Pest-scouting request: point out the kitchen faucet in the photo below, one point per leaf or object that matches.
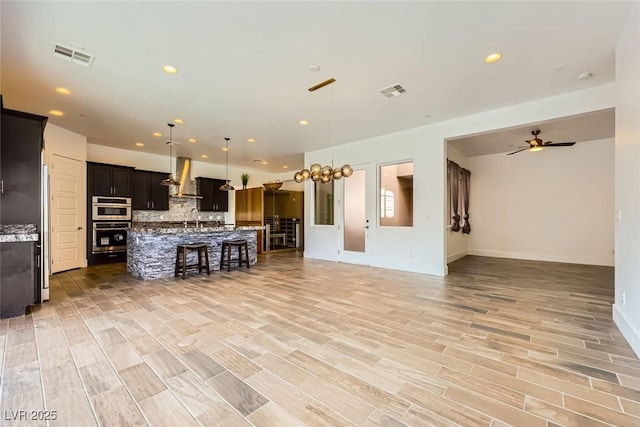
(197, 216)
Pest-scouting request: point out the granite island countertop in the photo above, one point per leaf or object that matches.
(12, 233)
(151, 249)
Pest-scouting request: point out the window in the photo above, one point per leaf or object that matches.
(396, 195)
(387, 201)
(323, 202)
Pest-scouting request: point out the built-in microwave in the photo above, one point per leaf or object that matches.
(111, 208)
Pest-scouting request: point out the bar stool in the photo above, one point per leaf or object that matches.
(181, 254)
(227, 245)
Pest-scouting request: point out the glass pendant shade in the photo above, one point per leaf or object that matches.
(347, 171)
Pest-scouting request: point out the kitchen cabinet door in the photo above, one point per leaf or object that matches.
(220, 197)
(158, 193)
(121, 181)
(140, 186)
(17, 279)
(205, 190)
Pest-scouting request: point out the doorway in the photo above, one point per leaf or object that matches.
(283, 219)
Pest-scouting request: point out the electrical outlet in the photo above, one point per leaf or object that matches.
(161, 216)
(210, 216)
(624, 297)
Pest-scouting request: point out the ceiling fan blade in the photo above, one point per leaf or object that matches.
(517, 151)
(560, 144)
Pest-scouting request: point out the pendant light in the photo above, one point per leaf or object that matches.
(227, 186)
(170, 180)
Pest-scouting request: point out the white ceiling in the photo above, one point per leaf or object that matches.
(584, 127)
(244, 68)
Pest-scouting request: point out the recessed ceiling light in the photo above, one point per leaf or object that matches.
(192, 140)
(204, 156)
(56, 113)
(303, 122)
(264, 162)
(169, 69)
(585, 76)
(63, 90)
(494, 57)
(257, 161)
(157, 134)
(225, 148)
(251, 140)
(178, 121)
(139, 144)
(314, 68)
(285, 167)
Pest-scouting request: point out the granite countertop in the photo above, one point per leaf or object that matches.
(174, 228)
(11, 233)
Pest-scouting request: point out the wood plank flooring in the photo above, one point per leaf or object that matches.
(305, 342)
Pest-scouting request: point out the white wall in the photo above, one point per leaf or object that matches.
(422, 248)
(457, 241)
(626, 310)
(553, 205)
(159, 163)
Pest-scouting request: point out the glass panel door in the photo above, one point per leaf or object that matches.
(355, 218)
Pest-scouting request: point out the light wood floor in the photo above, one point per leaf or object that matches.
(305, 342)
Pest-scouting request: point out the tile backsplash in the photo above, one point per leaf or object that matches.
(180, 209)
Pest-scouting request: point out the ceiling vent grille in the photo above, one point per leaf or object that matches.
(73, 55)
(391, 91)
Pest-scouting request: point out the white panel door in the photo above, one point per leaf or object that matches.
(356, 219)
(67, 214)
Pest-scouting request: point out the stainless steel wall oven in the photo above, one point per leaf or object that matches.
(110, 237)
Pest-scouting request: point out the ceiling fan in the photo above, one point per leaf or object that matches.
(536, 144)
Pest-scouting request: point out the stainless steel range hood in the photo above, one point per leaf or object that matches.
(187, 188)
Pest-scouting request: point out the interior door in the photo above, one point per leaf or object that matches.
(67, 220)
(356, 216)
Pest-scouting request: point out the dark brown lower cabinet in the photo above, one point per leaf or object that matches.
(17, 278)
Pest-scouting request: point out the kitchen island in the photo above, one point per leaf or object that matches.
(151, 249)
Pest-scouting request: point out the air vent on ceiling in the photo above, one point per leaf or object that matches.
(391, 91)
(73, 55)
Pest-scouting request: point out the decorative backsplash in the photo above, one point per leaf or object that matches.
(180, 209)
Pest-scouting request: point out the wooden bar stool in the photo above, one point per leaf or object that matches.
(181, 258)
(226, 250)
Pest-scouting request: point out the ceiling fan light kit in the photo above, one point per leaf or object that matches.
(536, 144)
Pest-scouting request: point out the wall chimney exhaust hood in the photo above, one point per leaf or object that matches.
(187, 188)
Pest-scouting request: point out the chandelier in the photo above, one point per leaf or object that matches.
(317, 172)
(170, 180)
(323, 174)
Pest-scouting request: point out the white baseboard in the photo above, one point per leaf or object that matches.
(456, 256)
(628, 332)
(607, 261)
